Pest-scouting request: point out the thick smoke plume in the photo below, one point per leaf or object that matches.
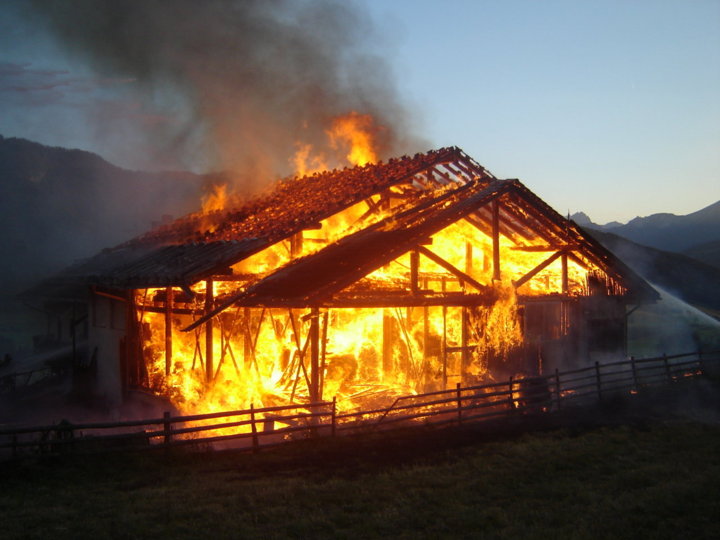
(239, 83)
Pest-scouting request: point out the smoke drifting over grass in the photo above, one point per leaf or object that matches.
(234, 84)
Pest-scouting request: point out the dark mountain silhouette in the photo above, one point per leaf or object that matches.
(693, 281)
(696, 235)
(708, 252)
(58, 205)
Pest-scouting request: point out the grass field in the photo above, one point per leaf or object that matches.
(648, 476)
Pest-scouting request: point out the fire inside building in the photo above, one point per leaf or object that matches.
(362, 284)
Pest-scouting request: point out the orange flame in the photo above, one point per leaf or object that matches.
(355, 132)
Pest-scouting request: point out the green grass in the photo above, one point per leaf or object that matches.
(653, 479)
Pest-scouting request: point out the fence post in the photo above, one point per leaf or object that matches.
(255, 442)
(334, 415)
(167, 425)
(511, 401)
(634, 373)
(701, 362)
(557, 388)
(459, 404)
(667, 367)
(597, 377)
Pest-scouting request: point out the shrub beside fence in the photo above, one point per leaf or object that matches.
(257, 428)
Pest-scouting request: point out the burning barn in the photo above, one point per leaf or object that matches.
(364, 283)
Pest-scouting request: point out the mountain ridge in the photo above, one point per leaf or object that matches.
(696, 234)
(58, 205)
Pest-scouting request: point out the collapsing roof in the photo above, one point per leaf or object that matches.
(419, 196)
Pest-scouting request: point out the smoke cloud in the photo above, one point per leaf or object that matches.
(237, 84)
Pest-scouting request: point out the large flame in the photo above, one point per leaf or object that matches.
(354, 132)
(367, 356)
(261, 355)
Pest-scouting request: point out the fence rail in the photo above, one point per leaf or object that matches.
(257, 428)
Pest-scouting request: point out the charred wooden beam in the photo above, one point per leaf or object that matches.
(315, 355)
(539, 268)
(168, 329)
(414, 269)
(449, 299)
(387, 344)
(209, 301)
(496, 239)
(548, 247)
(452, 269)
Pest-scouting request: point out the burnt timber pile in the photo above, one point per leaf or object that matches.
(399, 277)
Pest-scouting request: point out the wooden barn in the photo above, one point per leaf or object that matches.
(363, 284)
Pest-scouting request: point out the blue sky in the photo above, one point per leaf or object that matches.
(612, 108)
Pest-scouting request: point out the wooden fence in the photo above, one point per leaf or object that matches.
(257, 428)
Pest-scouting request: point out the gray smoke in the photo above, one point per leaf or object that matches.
(243, 81)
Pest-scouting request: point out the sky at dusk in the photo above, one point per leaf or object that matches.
(611, 108)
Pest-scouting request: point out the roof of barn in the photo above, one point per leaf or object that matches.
(200, 245)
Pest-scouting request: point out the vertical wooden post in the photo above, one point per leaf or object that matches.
(468, 258)
(634, 373)
(323, 351)
(255, 441)
(169, 299)
(247, 343)
(443, 347)
(511, 401)
(597, 380)
(564, 261)
(315, 355)
(334, 415)
(387, 345)
(465, 355)
(296, 244)
(166, 428)
(426, 342)
(459, 403)
(496, 239)
(667, 368)
(557, 388)
(209, 300)
(414, 271)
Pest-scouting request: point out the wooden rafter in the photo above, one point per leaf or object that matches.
(451, 268)
(539, 268)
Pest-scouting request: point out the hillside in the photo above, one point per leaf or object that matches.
(708, 252)
(696, 234)
(691, 280)
(58, 205)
